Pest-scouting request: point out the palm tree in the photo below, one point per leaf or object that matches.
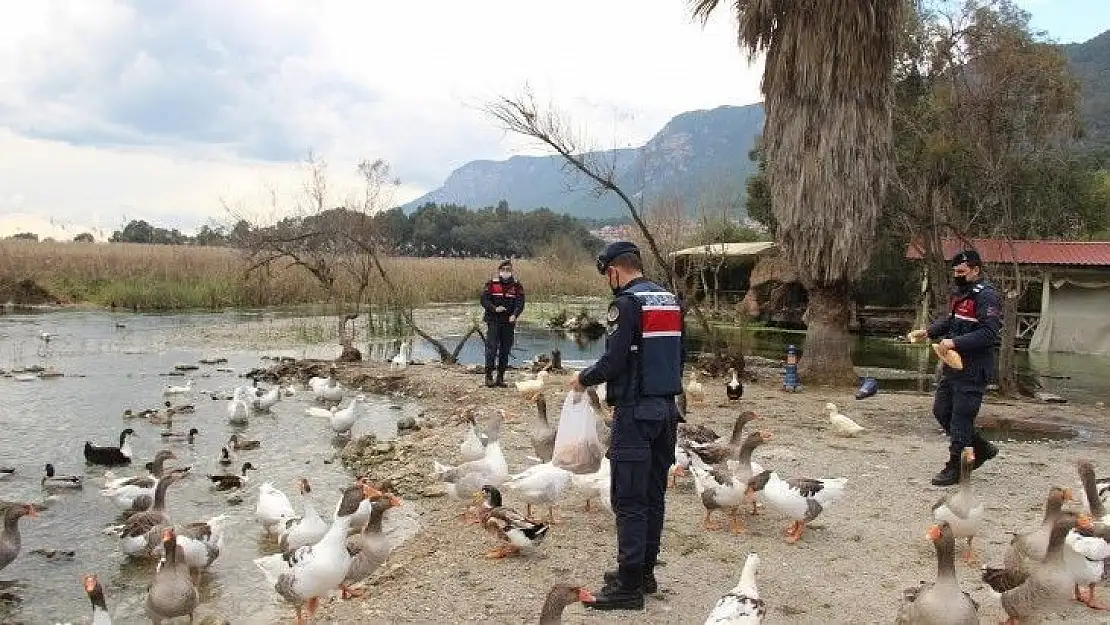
(827, 85)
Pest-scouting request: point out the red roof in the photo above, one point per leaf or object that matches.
(1044, 252)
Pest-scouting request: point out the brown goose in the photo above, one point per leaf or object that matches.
(1027, 549)
(720, 451)
(1027, 595)
(542, 435)
(135, 494)
(96, 598)
(558, 598)
(942, 601)
(10, 540)
(141, 531)
(370, 548)
(172, 594)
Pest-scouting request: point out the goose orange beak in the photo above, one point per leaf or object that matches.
(933, 533)
(586, 596)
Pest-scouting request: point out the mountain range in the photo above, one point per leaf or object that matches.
(700, 157)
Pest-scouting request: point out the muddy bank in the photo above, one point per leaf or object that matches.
(850, 567)
(25, 293)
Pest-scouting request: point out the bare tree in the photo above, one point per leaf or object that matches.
(525, 117)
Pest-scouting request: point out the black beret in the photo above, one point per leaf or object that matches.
(614, 250)
(970, 257)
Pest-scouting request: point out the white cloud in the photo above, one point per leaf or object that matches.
(114, 108)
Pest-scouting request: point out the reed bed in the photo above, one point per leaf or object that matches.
(165, 277)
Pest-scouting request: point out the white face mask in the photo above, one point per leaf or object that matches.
(505, 275)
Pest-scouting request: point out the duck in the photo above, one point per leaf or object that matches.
(596, 485)
(719, 451)
(273, 508)
(308, 528)
(401, 360)
(1085, 553)
(473, 445)
(801, 498)
(100, 615)
(225, 457)
(518, 532)
(51, 480)
(741, 605)
(538, 485)
(694, 389)
(241, 444)
(229, 482)
(316, 411)
(139, 534)
(370, 548)
(1027, 549)
(1025, 596)
(962, 509)
(189, 437)
(6, 471)
(331, 392)
(535, 385)
(542, 434)
(136, 494)
(10, 540)
(310, 572)
(266, 401)
(734, 389)
(717, 489)
(842, 425)
(682, 460)
(558, 598)
(201, 543)
(172, 593)
(170, 389)
(942, 601)
(111, 456)
(343, 420)
(238, 409)
(462, 481)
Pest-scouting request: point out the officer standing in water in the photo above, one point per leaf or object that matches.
(642, 369)
(972, 328)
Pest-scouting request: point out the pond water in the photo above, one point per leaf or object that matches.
(108, 369)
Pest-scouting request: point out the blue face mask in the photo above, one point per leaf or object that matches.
(506, 276)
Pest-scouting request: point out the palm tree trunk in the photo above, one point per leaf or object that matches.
(828, 348)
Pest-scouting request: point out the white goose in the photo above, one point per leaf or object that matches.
(539, 485)
(238, 409)
(273, 508)
(467, 479)
(343, 420)
(311, 572)
(595, 485)
(473, 447)
(741, 605)
(962, 509)
(135, 494)
(801, 498)
(305, 530)
(331, 392)
(401, 360)
(1085, 553)
(267, 400)
(201, 542)
(170, 389)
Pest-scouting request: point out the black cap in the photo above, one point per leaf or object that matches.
(971, 257)
(614, 250)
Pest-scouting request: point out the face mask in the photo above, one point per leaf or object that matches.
(960, 280)
(505, 275)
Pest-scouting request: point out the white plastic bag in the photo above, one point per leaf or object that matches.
(577, 448)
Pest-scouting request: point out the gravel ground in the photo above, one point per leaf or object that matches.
(850, 567)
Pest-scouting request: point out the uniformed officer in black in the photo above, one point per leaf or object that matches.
(642, 369)
(503, 301)
(972, 328)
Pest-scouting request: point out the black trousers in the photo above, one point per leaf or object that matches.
(955, 406)
(499, 342)
(641, 453)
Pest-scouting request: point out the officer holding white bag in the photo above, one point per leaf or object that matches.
(642, 369)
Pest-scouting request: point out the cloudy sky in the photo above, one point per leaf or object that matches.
(124, 109)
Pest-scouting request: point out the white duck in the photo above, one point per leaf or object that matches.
(595, 485)
(170, 389)
(473, 446)
(842, 425)
(538, 485)
(316, 411)
(273, 508)
(343, 420)
(313, 571)
(741, 605)
(465, 480)
(800, 498)
(401, 360)
(695, 390)
(238, 409)
(306, 530)
(962, 509)
(267, 400)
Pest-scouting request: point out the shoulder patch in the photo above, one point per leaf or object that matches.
(613, 313)
(977, 288)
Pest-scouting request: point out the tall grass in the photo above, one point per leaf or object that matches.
(164, 277)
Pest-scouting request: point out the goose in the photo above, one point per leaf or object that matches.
(694, 389)
(305, 530)
(401, 360)
(719, 451)
(542, 434)
(267, 400)
(716, 489)
(1086, 555)
(801, 498)
(1026, 596)
(473, 446)
(172, 593)
(10, 540)
(170, 389)
(242, 444)
(273, 508)
(1026, 550)
(309, 573)
(558, 598)
(201, 543)
(540, 484)
(741, 605)
(332, 392)
(962, 509)
(535, 385)
(343, 420)
(596, 485)
(518, 532)
(136, 494)
(60, 481)
(189, 438)
(229, 482)
(370, 548)
(238, 409)
(682, 460)
(467, 478)
(315, 411)
(842, 425)
(140, 532)
(93, 589)
(734, 389)
(111, 456)
(942, 601)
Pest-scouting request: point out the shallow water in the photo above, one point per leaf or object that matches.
(107, 370)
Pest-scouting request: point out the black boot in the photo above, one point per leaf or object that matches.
(950, 474)
(500, 378)
(624, 594)
(648, 585)
(984, 451)
(489, 378)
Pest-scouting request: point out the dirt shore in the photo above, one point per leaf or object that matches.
(849, 568)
